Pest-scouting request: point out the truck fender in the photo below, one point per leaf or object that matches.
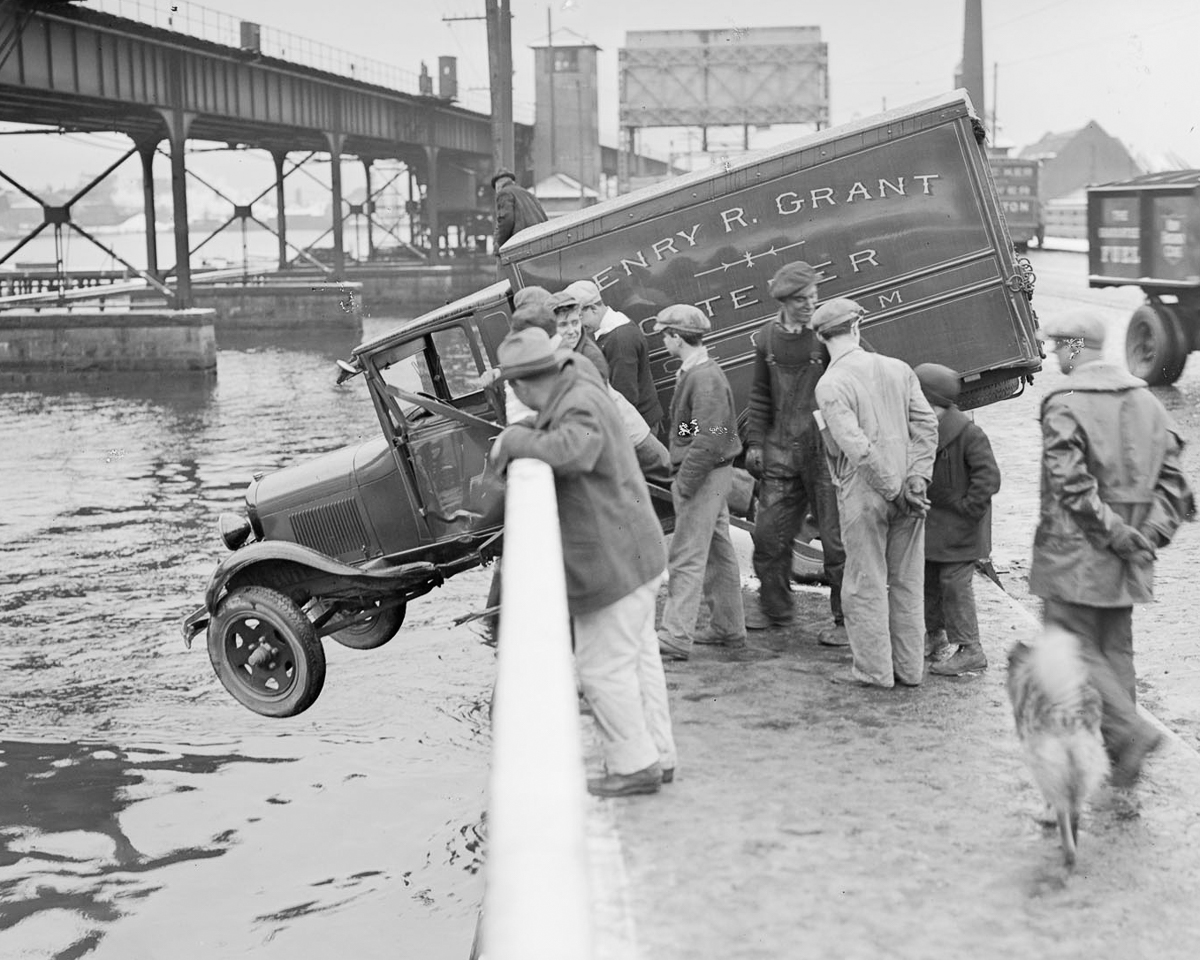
(270, 550)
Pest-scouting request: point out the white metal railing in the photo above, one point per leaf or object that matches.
(215, 26)
(537, 901)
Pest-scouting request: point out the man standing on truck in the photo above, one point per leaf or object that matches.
(516, 207)
(613, 553)
(881, 436)
(704, 442)
(624, 347)
(1113, 495)
(783, 451)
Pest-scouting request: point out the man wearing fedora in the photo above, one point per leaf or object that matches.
(516, 207)
(613, 554)
(881, 437)
(704, 442)
(783, 452)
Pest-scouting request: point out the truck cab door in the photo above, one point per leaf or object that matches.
(444, 424)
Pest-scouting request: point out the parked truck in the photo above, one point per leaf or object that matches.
(1017, 186)
(1146, 231)
(898, 211)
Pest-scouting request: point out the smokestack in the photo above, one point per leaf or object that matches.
(972, 58)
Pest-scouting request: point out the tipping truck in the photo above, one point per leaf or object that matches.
(1017, 187)
(1145, 231)
(898, 211)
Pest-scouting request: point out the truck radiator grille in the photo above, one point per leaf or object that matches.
(333, 528)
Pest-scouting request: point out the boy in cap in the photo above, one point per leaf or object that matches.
(881, 436)
(613, 555)
(624, 347)
(1113, 493)
(568, 322)
(783, 451)
(704, 442)
(958, 528)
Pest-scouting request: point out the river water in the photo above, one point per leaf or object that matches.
(136, 797)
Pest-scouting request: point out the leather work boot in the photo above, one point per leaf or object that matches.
(757, 620)
(834, 636)
(710, 639)
(1128, 767)
(937, 647)
(969, 659)
(668, 650)
(647, 780)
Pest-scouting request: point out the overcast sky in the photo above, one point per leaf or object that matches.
(1132, 67)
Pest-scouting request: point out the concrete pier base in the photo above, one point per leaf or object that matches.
(64, 339)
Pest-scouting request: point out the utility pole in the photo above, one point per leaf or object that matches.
(499, 30)
(972, 58)
(500, 70)
(550, 87)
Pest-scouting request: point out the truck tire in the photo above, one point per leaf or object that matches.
(1156, 345)
(266, 652)
(373, 632)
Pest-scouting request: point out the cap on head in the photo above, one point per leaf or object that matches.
(501, 174)
(940, 384)
(585, 292)
(563, 299)
(791, 278)
(531, 307)
(834, 313)
(526, 353)
(1077, 325)
(682, 317)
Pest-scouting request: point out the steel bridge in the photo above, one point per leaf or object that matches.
(82, 70)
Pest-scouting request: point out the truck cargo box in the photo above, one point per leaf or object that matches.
(1146, 232)
(898, 211)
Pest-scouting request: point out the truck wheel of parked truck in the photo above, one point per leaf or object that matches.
(1156, 343)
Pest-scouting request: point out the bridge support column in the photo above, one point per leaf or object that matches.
(178, 123)
(431, 203)
(369, 209)
(146, 150)
(279, 156)
(335, 176)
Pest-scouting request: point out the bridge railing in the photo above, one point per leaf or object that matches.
(215, 26)
(537, 901)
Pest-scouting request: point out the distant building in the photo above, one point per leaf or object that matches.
(560, 194)
(566, 130)
(1072, 160)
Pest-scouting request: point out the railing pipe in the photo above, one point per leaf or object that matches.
(537, 901)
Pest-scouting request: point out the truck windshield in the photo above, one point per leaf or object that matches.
(443, 366)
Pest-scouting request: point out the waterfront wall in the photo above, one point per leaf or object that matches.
(71, 340)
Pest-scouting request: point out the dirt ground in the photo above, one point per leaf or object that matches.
(812, 819)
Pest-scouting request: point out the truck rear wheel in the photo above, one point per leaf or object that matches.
(372, 632)
(1156, 345)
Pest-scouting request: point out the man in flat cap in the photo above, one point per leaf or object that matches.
(881, 435)
(516, 207)
(624, 347)
(958, 528)
(1112, 495)
(613, 554)
(702, 563)
(783, 451)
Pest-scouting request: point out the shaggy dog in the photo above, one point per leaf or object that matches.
(1058, 711)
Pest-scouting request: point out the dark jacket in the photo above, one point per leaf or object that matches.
(1110, 456)
(703, 425)
(787, 366)
(590, 349)
(611, 538)
(516, 209)
(628, 359)
(958, 527)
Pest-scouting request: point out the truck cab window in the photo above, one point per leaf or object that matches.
(459, 362)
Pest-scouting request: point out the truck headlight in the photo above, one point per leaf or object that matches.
(233, 529)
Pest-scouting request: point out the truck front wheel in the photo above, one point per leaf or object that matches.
(266, 652)
(1156, 346)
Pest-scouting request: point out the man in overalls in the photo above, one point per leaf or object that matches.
(784, 452)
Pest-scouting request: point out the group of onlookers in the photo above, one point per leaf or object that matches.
(896, 478)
